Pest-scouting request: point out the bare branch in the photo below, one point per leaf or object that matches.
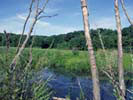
(37, 7)
(13, 64)
(125, 11)
(45, 4)
(37, 13)
(29, 14)
(129, 91)
(43, 8)
(47, 16)
(114, 82)
(30, 52)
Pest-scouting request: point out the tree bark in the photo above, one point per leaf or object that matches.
(120, 51)
(95, 78)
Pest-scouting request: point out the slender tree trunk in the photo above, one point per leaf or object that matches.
(120, 51)
(13, 64)
(37, 16)
(126, 13)
(7, 41)
(24, 27)
(95, 78)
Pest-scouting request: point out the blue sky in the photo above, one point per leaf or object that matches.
(13, 13)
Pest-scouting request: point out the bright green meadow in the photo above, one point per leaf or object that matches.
(76, 62)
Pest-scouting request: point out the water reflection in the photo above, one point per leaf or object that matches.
(69, 86)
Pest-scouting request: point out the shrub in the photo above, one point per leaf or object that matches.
(75, 51)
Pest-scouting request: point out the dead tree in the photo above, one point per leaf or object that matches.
(24, 26)
(7, 35)
(125, 12)
(95, 77)
(37, 16)
(7, 40)
(26, 21)
(120, 50)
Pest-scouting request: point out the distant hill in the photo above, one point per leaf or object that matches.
(76, 39)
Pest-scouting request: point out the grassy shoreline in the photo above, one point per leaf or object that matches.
(69, 61)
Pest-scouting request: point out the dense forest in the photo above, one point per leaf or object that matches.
(76, 39)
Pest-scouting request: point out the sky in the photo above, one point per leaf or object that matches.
(101, 15)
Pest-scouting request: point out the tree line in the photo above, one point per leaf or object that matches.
(75, 39)
(110, 39)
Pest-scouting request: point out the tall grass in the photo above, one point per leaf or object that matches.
(20, 84)
(66, 60)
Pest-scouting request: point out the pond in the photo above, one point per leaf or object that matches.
(64, 85)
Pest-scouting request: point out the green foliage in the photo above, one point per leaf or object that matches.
(75, 51)
(65, 60)
(41, 91)
(82, 96)
(17, 84)
(76, 39)
(68, 97)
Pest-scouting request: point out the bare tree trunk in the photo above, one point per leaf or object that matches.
(37, 16)
(120, 51)
(29, 14)
(95, 78)
(13, 64)
(7, 41)
(125, 11)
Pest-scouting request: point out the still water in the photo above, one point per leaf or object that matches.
(63, 86)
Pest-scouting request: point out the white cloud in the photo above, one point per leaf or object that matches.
(109, 22)
(21, 17)
(11, 24)
(52, 10)
(15, 25)
(104, 22)
(77, 14)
